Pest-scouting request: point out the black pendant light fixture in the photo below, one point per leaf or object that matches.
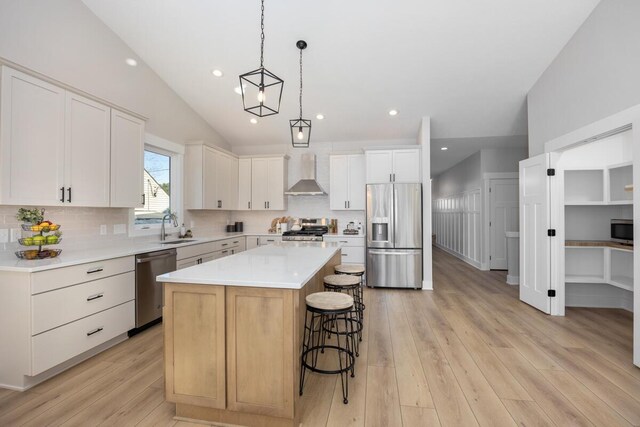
(261, 89)
(300, 128)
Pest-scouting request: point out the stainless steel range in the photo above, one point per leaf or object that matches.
(312, 230)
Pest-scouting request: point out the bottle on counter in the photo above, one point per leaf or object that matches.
(183, 230)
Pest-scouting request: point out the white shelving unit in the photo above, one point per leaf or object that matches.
(584, 187)
(621, 269)
(619, 177)
(599, 264)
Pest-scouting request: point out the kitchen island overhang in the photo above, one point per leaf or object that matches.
(233, 333)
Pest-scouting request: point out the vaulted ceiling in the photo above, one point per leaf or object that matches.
(467, 64)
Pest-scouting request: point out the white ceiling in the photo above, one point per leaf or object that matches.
(467, 64)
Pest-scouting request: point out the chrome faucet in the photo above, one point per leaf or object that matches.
(171, 216)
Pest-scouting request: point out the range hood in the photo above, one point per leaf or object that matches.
(307, 186)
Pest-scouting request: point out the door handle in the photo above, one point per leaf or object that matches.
(144, 201)
(349, 204)
(95, 331)
(69, 198)
(390, 177)
(268, 205)
(94, 297)
(248, 205)
(62, 194)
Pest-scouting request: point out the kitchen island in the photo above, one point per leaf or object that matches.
(233, 332)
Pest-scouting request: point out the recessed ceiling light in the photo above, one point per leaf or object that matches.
(131, 62)
(320, 116)
(444, 148)
(217, 73)
(254, 121)
(393, 112)
(238, 90)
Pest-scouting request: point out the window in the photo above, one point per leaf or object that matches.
(162, 183)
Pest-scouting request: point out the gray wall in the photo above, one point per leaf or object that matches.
(466, 175)
(64, 40)
(596, 74)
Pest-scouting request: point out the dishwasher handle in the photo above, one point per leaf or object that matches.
(152, 256)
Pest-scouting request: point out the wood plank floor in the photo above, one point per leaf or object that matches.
(468, 353)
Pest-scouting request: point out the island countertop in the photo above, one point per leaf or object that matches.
(286, 265)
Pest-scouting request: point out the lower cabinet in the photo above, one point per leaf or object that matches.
(353, 250)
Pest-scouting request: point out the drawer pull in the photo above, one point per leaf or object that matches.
(224, 252)
(225, 244)
(343, 241)
(345, 254)
(95, 331)
(236, 241)
(96, 296)
(95, 270)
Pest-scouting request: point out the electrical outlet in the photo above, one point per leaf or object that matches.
(4, 235)
(15, 234)
(119, 228)
(103, 229)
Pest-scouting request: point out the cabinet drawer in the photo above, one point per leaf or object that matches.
(195, 250)
(58, 345)
(55, 308)
(348, 241)
(269, 240)
(352, 255)
(59, 278)
(228, 243)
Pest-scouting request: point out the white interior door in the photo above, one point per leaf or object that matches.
(535, 245)
(503, 208)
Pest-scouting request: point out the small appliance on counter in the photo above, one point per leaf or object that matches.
(622, 231)
(236, 227)
(310, 230)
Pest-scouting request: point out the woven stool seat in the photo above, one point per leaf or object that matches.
(329, 301)
(349, 268)
(341, 280)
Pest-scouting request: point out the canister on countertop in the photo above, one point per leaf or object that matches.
(239, 226)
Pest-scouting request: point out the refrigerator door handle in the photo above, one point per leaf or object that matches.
(393, 252)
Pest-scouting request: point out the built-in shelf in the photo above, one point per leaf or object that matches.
(570, 278)
(599, 263)
(584, 186)
(619, 177)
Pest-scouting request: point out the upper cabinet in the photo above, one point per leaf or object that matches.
(268, 183)
(347, 182)
(127, 160)
(59, 148)
(211, 178)
(400, 166)
(244, 184)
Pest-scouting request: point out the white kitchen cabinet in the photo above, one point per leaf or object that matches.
(32, 140)
(353, 249)
(87, 152)
(244, 184)
(347, 182)
(269, 240)
(211, 178)
(268, 183)
(127, 160)
(253, 242)
(399, 166)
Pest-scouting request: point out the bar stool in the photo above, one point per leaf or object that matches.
(325, 311)
(350, 285)
(358, 271)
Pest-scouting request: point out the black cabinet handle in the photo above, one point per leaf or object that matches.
(94, 297)
(248, 205)
(390, 177)
(69, 198)
(225, 244)
(144, 201)
(225, 252)
(62, 194)
(95, 270)
(95, 331)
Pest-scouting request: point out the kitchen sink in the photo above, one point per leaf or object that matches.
(177, 242)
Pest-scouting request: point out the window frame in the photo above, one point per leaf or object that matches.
(176, 153)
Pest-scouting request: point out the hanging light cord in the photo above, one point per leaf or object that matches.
(301, 84)
(262, 36)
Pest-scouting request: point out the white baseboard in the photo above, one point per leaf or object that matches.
(427, 285)
(513, 280)
(469, 261)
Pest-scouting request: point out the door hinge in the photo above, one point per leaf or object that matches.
(551, 293)
(551, 232)
(551, 172)
(489, 189)
(489, 223)
(489, 257)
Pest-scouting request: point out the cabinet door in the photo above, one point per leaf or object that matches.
(244, 184)
(253, 242)
(127, 164)
(276, 184)
(32, 140)
(222, 172)
(338, 182)
(87, 151)
(379, 166)
(232, 185)
(259, 184)
(406, 165)
(357, 186)
(194, 337)
(209, 190)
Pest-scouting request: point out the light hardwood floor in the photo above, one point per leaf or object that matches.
(467, 354)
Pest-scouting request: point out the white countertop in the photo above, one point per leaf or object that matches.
(287, 265)
(116, 249)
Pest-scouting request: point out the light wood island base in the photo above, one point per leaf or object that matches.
(232, 353)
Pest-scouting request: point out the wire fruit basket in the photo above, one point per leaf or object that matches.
(39, 240)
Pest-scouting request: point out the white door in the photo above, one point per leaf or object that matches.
(338, 182)
(357, 186)
(209, 188)
(406, 165)
(244, 184)
(87, 152)
(32, 140)
(259, 193)
(535, 245)
(127, 162)
(275, 187)
(503, 211)
(379, 166)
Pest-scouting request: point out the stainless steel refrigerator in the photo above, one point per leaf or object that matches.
(394, 235)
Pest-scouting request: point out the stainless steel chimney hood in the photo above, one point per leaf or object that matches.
(307, 186)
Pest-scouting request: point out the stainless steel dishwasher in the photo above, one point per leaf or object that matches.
(148, 291)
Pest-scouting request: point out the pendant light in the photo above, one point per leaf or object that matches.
(300, 128)
(261, 89)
